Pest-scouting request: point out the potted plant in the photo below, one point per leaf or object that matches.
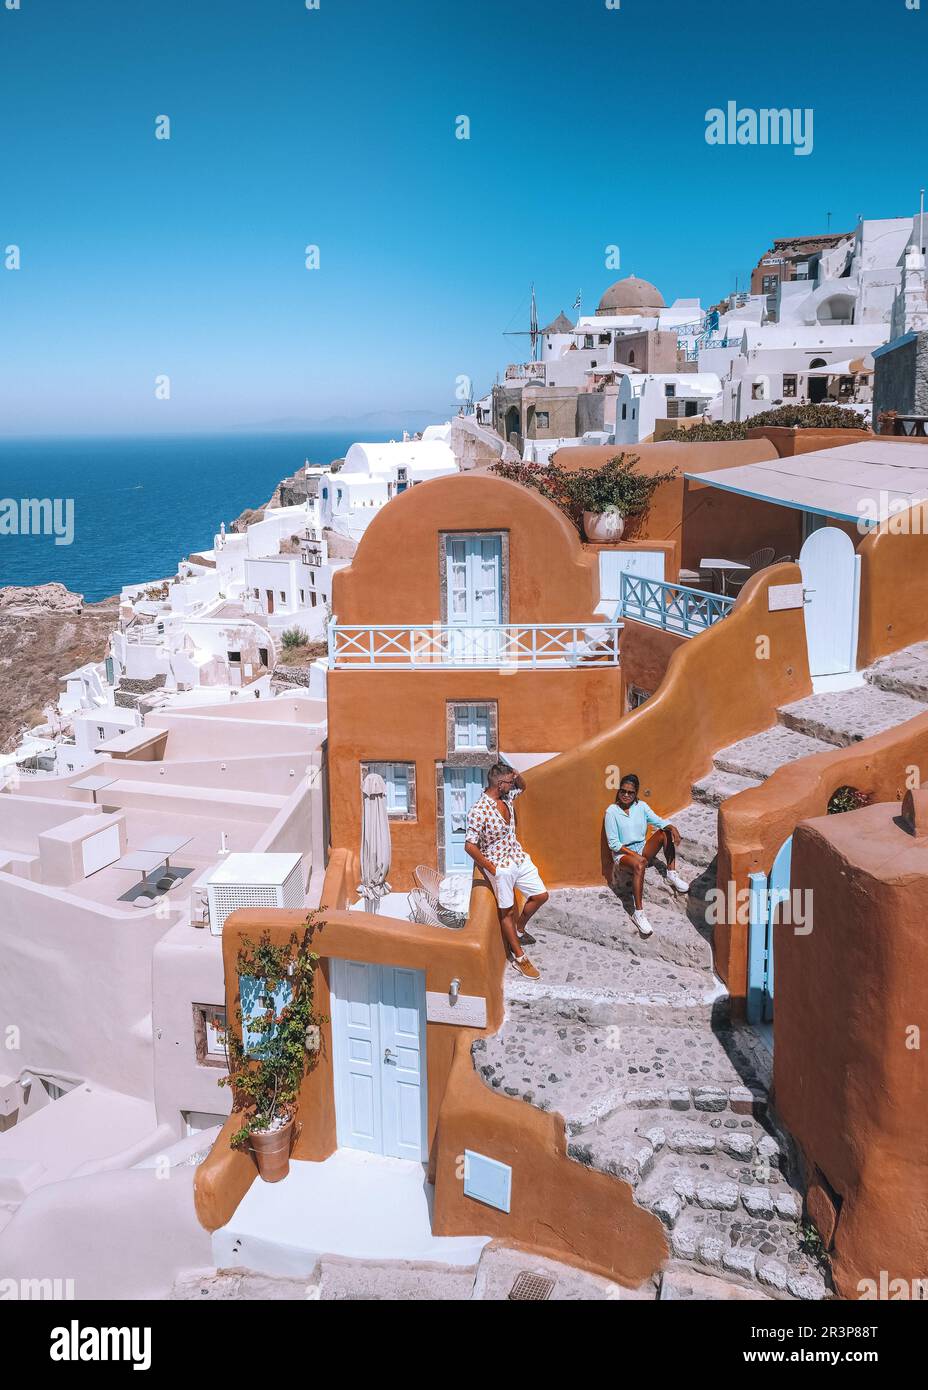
(604, 497)
(597, 500)
(274, 1046)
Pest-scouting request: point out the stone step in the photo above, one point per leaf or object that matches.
(903, 673)
(844, 717)
(599, 985)
(662, 1145)
(587, 1073)
(760, 755)
(676, 1186)
(719, 786)
(766, 1251)
(603, 916)
(698, 825)
(681, 1283)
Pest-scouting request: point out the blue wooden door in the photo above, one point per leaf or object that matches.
(378, 1058)
(356, 1055)
(475, 596)
(402, 1033)
(767, 895)
(463, 786)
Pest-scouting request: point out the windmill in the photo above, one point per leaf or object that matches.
(531, 332)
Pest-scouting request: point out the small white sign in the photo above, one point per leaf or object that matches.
(470, 1010)
(780, 596)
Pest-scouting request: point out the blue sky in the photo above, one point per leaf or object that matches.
(336, 127)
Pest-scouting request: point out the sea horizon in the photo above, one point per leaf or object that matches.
(143, 502)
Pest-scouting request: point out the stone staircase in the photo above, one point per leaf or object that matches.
(630, 1040)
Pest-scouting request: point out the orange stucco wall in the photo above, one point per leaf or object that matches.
(754, 824)
(719, 687)
(717, 523)
(893, 585)
(401, 716)
(382, 715)
(395, 576)
(793, 440)
(848, 1082)
(645, 654)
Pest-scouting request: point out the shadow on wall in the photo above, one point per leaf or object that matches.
(719, 687)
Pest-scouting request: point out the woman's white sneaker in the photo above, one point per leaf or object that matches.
(675, 881)
(642, 923)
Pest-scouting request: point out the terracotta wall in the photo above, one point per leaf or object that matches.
(726, 525)
(717, 689)
(790, 440)
(395, 574)
(849, 1075)
(645, 654)
(893, 585)
(402, 716)
(754, 824)
(474, 955)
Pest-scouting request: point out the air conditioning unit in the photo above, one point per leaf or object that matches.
(254, 880)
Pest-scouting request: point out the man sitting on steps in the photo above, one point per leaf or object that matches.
(633, 848)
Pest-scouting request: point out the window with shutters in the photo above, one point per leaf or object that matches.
(471, 727)
(400, 782)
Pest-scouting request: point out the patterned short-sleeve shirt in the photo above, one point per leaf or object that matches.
(493, 836)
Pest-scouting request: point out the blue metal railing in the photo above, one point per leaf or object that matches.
(672, 607)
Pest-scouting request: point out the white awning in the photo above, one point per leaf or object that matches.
(866, 482)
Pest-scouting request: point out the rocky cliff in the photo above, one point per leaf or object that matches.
(45, 632)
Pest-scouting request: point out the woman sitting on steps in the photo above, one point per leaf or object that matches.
(633, 848)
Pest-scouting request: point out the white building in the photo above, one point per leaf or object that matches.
(645, 398)
(373, 474)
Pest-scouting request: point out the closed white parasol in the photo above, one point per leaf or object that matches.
(375, 842)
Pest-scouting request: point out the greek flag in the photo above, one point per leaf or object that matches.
(578, 302)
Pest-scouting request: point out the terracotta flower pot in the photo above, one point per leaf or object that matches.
(271, 1149)
(604, 527)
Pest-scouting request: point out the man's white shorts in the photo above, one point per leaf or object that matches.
(523, 876)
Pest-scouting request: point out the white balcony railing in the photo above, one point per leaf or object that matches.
(513, 646)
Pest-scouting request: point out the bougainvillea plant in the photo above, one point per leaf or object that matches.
(847, 799)
(616, 486)
(266, 1077)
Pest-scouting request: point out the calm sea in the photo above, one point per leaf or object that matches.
(140, 505)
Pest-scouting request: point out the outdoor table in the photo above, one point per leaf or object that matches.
(141, 861)
(164, 846)
(724, 567)
(93, 785)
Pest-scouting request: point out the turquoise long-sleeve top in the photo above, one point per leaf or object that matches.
(629, 829)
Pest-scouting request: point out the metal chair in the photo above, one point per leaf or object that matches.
(422, 909)
(429, 880)
(758, 560)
